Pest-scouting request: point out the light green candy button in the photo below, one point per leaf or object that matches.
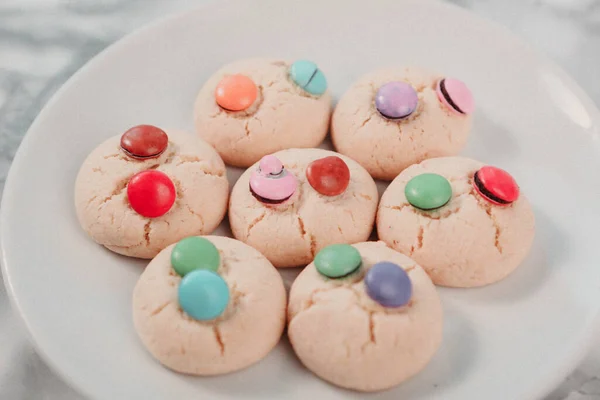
(428, 191)
(309, 77)
(337, 260)
(194, 253)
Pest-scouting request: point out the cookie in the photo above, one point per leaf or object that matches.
(209, 305)
(254, 107)
(364, 317)
(137, 193)
(395, 117)
(465, 223)
(297, 201)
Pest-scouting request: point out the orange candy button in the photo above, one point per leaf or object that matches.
(236, 92)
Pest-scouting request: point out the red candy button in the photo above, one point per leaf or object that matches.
(144, 141)
(151, 193)
(496, 185)
(329, 176)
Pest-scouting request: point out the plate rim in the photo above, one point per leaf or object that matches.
(542, 388)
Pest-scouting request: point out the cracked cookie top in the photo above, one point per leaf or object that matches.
(184, 333)
(392, 118)
(282, 105)
(291, 232)
(477, 237)
(351, 331)
(136, 194)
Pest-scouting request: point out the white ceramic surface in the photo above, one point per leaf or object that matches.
(512, 340)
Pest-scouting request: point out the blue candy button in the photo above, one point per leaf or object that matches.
(203, 294)
(388, 284)
(309, 77)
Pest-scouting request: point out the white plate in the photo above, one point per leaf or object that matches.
(512, 340)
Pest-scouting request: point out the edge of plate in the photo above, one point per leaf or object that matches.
(541, 389)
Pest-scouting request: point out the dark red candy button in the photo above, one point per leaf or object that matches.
(151, 193)
(496, 185)
(329, 176)
(144, 141)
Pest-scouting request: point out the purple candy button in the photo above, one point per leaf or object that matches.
(388, 284)
(396, 100)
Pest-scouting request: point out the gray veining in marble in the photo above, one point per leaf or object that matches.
(43, 42)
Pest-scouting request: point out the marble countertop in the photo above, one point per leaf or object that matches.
(43, 42)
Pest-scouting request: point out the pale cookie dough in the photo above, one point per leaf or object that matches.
(105, 214)
(469, 241)
(346, 338)
(386, 147)
(283, 116)
(290, 234)
(247, 331)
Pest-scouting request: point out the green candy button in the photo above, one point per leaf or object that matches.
(428, 191)
(194, 253)
(337, 260)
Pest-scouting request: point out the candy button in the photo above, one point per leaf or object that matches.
(496, 185)
(144, 141)
(151, 193)
(236, 92)
(388, 284)
(270, 165)
(396, 100)
(309, 77)
(329, 176)
(194, 253)
(337, 260)
(270, 183)
(428, 191)
(455, 95)
(203, 295)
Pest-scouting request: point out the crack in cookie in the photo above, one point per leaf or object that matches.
(159, 309)
(219, 339)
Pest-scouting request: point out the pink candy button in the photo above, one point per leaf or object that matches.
(455, 95)
(271, 183)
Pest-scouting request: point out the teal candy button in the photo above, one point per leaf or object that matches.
(194, 253)
(309, 77)
(203, 294)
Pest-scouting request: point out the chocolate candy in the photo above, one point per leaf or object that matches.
(194, 253)
(455, 95)
(309, 77)
(236, 93)
(144, 141)
(428, 191)
(337, 260)
(388, 284)
(396, 100)
(496, 185)
(203, 294)
(151, 193)
(270, 183)
(329, 176)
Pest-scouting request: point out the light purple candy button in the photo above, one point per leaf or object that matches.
(396, 100)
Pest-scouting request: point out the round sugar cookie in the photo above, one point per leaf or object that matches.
(250, 322)
(254, 107)
(139, 192)
(473, 235)
(279, 212)
(395, 117)
(371, 329)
